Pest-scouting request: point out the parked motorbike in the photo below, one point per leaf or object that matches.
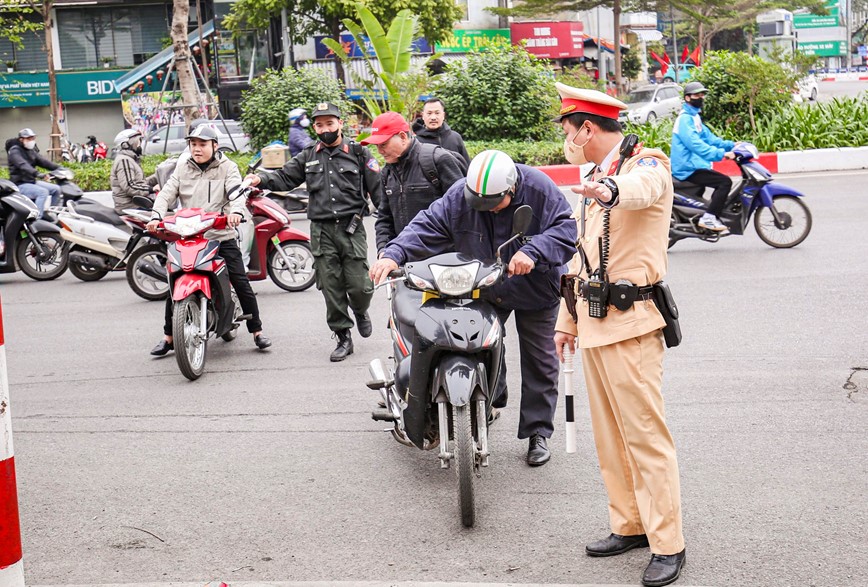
(75, 152)
(205, 305)
(447, 355)
(26, 242)
(97, 149)
(780, 216)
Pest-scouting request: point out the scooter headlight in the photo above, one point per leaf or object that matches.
(455, 281)
(188, 226)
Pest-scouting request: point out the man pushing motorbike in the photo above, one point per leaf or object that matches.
(471, 216)
(208, 180)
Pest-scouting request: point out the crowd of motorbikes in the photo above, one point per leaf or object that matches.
(92, 150)
(447, 344)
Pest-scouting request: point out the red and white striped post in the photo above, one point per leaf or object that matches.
(11, 565)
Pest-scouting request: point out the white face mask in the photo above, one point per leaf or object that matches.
(30, 145)
(305, 122)
(574, 153)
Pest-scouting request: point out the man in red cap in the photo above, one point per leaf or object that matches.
(625, 212)
(415, 174)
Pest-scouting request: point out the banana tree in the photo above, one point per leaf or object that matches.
(393, 73)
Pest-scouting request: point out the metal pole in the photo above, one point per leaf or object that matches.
(601, 63)
(675, 76)
(569, 396)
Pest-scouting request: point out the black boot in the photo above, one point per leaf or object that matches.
(345, 346)
(363, 323)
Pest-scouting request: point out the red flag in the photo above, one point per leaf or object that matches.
(666, 58)
(695, 56)
(684, 53)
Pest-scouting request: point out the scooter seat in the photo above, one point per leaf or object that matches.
(684, 184)
(99, 212)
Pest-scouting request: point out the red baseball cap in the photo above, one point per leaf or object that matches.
(384, 127)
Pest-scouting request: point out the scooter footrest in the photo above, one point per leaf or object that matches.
(244, 318)
(375, 385)
(382, 416)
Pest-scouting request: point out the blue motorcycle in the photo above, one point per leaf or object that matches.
(780, 216)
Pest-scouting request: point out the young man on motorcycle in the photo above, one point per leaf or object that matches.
(299, 140)
(694, 148)
(407, 188)
(472, 217)
(127, 178)
(208, 180)
(626, 207)
(24, 158)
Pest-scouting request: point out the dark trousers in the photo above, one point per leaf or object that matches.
(716, 180)
(238, 278)
(539, 370)
(341, 266)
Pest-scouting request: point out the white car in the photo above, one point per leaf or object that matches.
(648, 103)
(808, 88)
(156, 143)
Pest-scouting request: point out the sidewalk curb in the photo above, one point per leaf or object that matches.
(812, 160)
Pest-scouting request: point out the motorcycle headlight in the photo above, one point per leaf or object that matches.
(455, 281)
(420, 283)
(188, 226)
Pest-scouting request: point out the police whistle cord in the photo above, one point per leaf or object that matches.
(569, 395)
(11, 565)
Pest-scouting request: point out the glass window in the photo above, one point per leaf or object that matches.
(29, 55)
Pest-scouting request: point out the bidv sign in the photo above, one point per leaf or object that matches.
(100, 88)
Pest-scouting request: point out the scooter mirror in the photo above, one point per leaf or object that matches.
(521, 220)
(143, 202)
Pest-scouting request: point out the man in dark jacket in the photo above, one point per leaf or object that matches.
(432, 128)
(127, 179)
(24, 158)
(415, 174)
(340, 174)
(299, 140)
(474, 217)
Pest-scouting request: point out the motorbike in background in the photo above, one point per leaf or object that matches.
(447, 354)
(97, 149)
(26, 242)
(780, 216)
(63, 178)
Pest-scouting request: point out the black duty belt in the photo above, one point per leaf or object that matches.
(622, 294)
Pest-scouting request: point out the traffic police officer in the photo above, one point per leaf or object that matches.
(622, 353)
(340, 174)
(473, 217)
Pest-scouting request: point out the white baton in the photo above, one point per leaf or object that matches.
(569, 394)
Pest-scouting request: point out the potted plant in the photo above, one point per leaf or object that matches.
(10, 65)
(107, 61)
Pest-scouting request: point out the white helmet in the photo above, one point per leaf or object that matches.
(490, 178)
(126, 136)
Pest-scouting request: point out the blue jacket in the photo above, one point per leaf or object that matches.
(694, 146)
(450, 224)
(299, 140)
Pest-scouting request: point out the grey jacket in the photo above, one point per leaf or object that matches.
(210, 190)
(127, 180)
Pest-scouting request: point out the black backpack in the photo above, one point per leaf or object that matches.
(426, 161)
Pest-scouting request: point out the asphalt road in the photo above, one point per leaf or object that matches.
(840, 88)
(269, 468)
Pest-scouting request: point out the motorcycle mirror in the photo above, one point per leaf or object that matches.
(143, 202)
(254, 165)
(521, 220)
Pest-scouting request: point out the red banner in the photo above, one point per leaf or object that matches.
(552, 40)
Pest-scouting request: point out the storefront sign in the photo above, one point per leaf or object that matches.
(467, 40)
(419, 46)
(552, 40)
(811, 21)
(824, 48)
(31, 89)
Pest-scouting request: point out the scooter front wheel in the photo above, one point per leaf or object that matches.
(189, 346)
(465, 462)
(46, 264)
(789, 228)
(297, 274)
(146, 272)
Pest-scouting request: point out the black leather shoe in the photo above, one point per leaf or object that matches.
(663, 569)
(616, 544)
(537, 451)
(261, 341)
(344, 348)
(363, 323)
(163, 347)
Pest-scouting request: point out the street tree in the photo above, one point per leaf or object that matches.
(309, 17)
(183, 63)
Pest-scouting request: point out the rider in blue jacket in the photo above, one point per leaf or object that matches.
(299, 139)
(475, 216)
(694, 147)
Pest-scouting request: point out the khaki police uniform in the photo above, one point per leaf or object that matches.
(335, 178)
(622, 355)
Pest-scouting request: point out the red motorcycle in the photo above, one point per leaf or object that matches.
(205, 304)
(97, 149)
(278, 250)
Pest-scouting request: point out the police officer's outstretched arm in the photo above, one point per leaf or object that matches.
(289, 177)
(646, 183)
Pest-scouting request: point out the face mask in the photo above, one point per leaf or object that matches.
(304, 123)
(696, 103)
(328, 137)
(30, 145)
(575, 154)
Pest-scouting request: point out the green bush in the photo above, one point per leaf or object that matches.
(501, 93)
(841, 122)
(264, 108)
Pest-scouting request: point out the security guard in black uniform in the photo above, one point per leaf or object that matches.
(340, 175)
